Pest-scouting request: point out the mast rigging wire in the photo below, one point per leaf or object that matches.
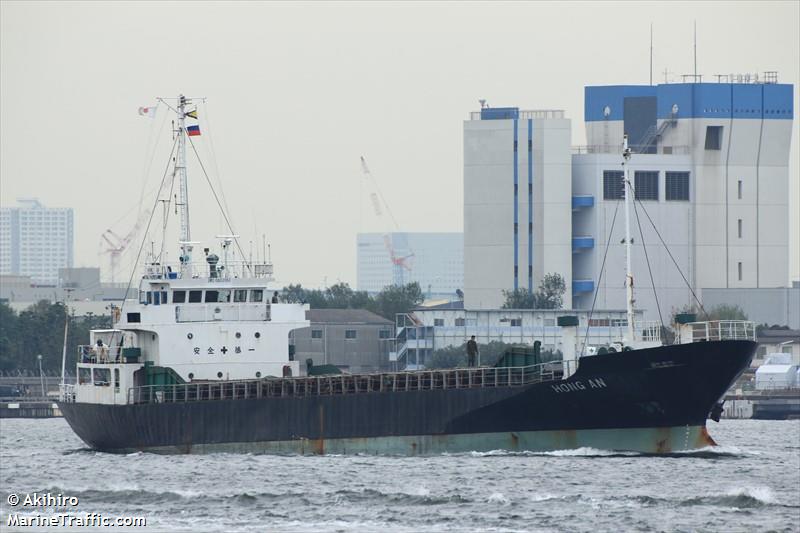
(599, 278)
(664, 244)
(647, 258)
(216, 198)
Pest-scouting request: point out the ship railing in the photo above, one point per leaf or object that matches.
(88, 353)
(222, 271)
(723, 330)
(345, 384)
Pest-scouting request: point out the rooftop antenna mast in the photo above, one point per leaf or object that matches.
(180, 169)
(651, 53)
(695, 51)
(626, 157)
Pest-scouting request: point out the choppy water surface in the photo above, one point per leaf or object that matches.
(749, 483)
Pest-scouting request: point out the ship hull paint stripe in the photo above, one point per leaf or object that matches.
(642, 440)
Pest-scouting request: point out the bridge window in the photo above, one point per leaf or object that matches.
(134, 317)
(516, 322)
(178, 297)
(460, 322)
(84, 376)
(349, 334)
(149, 297)
(102, 377)
(240, 295)
(164, 297)
(316, 333)
(385, 334)
(438, 321)
(195, 297)
(156, 298)
(256, 295)
(116, 379)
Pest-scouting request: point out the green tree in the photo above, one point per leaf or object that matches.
(396, 299)
(726, 312)
(550, 294)
(293, 294)
(518, 299)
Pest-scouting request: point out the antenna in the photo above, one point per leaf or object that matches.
(651, 53)
(695, 51)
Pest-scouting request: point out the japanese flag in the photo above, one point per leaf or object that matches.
(148, 111)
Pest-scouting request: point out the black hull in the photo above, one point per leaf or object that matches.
(641, 391)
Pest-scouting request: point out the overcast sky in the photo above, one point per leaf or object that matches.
(297, 92)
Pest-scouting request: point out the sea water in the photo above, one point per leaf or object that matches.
(751, 482)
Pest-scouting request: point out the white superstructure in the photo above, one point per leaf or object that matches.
(214, 320)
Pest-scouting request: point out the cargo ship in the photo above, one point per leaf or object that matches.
(202, 362)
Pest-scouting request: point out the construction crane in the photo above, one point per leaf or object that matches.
(400, 263)
(115, 245)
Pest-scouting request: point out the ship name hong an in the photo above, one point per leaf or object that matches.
(572, 386)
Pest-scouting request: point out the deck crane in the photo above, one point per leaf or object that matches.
(400, 263)
(115, 245)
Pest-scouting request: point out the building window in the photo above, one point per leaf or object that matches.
(740, 189)
(316, 333)
(178, 297)
(438, 321)
(349, 334)
(613, 185)
(740, 270)
(646, 183)
(739, 227)
(195, 297)
(677, 186)
(713, 137)
(460, 322)
(385, 334)
(516, 322)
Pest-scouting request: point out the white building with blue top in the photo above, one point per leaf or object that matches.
(710, 170)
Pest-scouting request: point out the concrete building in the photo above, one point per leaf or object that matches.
(710, 168)
(36, 241)
(74, 284)
(355, 340)
(434, 260)
(517, 202)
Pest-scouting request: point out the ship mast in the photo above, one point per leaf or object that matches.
(183, 203)
(626, 157)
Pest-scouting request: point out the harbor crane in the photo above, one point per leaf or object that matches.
(114, 245)
(400, 263)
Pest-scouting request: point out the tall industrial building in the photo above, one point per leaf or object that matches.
(517, 202)
(434, 260)
(710, 169)
(36, 241)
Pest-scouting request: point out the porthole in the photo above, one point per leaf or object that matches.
(191, 375)
(219, 374)
(238, 335)
(258, 335)
(189, 336)
(258, 374)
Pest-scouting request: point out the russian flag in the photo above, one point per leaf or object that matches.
(193, 130)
